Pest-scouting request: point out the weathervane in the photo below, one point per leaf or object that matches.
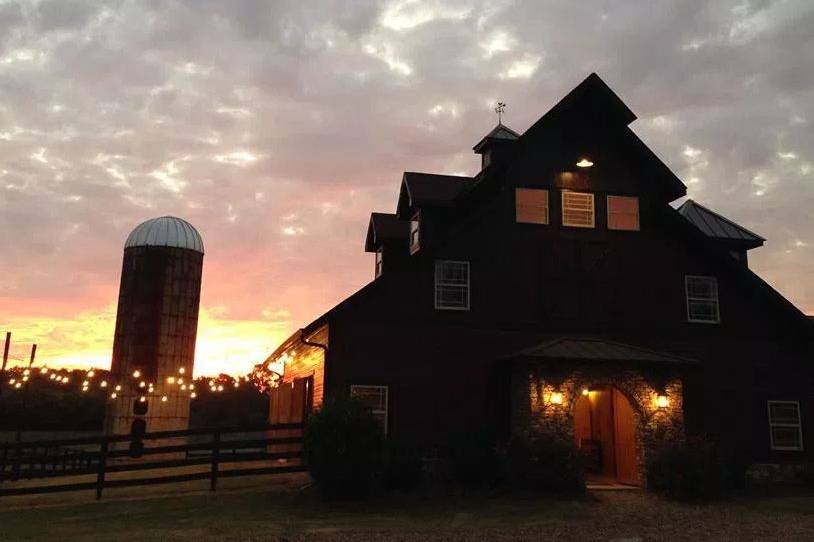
(499, 109)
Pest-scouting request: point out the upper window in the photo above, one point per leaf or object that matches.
(379, 263)
(375, 397)
(702, 299)
(415, 233)
(531, 205)
(452, 285)
(578, 209)
(623, 213)
(785, 429)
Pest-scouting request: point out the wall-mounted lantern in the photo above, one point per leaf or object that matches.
(584, 162)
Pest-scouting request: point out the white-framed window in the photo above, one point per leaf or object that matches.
(451, 285)
(702, 299)
(578, 209)
(623, 213)
(379, 263)
(785, 428)
(415, 233)
(531, 205)
(375, 397)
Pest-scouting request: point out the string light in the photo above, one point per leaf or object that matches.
(103, 384)
(181, 370)
(163, 398)
(91, 373)
(26, 372)
(113, 395)
(193, 395)
(17, 385)
(170, 380)
(142, 384)
(44, 371)
(118, 387)
(142, 399)
(136, 373)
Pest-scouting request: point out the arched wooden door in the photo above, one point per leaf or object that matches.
(605, 433)
(624, 433)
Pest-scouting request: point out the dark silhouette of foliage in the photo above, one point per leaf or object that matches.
(343, 448)
(547, 463)
(689, 471)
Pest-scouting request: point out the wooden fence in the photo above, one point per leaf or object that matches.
(100, 456)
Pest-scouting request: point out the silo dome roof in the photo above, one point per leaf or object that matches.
(165, 231)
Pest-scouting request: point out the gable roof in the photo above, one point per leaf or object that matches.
(718, 226)
(499, 133)
(385, 227)
(432, 189)
(592, 349)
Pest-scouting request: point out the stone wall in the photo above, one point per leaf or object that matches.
(544, 398)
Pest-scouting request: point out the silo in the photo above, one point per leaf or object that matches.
(156, 325)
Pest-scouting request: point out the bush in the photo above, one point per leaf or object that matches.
(548, 463)
(343, 446)
(403, 467)
(691, 471)
(471, 460)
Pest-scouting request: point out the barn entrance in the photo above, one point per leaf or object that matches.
(605, 433)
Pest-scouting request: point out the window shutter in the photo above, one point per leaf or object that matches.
(578, 209)
(531, 205)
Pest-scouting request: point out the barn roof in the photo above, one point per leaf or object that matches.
(385, 227)
(424, 188)
(717, 226)
(498, 133)
(591, 349)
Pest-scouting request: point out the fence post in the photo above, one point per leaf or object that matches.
(213, 482)
(100, 475)
(18, 452)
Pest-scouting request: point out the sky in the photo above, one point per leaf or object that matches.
(277, 127)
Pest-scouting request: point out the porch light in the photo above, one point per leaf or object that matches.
(555, 398)
(584, 162)
(662, 401)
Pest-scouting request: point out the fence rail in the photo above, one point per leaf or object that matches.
(103, 455)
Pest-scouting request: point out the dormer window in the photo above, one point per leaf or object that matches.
(623, 213)
(378, 265)
(531, 205)
(415, 233)
(578, 209)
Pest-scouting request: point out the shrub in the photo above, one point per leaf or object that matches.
(471, 460)
(343, 446)
(547, 463)
(403, 466)
(691, 471)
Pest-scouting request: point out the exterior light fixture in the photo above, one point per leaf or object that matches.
(555, 398)
(585, 392)
(662, 401)
(584, 162)
(170, 380)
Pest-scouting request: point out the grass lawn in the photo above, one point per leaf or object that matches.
(291, 514)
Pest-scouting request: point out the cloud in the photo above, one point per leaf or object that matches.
(276, 128)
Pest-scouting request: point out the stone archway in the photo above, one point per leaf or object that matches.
(544, 401)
